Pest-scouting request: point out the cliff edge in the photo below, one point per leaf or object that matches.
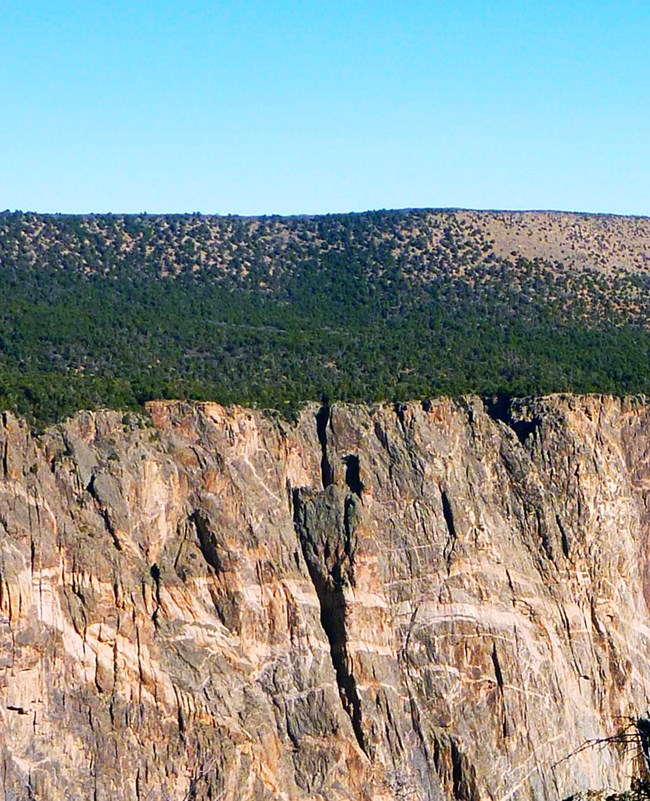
(417, 602)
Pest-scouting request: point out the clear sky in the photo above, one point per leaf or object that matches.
(283, 107)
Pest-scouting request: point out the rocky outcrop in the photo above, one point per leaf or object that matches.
(424, 602)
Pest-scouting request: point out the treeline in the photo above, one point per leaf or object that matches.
(340, 314)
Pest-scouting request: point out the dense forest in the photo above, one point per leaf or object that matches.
(105, 310)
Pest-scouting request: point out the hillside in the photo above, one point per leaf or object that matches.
(107, 310)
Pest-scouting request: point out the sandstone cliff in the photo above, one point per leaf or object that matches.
(423, 602)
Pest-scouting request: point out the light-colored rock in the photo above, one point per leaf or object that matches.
(422, 602)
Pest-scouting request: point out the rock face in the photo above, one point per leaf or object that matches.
(423, 602)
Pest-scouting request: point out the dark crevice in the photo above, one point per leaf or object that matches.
(329, 578)
(182, 530)
(449, 517)
(219, 559)
(564, 538)
(463, 776)
(288, 724)
(497, 668)
(5, 451)
(207, 541)
(501, 408)
(498, 673)
(180, 719)
(155, 575)
(322, 421)
(111, 529)
(457, 771)
(451, 527)
(103, 511)
(91, 488)
(353, 474)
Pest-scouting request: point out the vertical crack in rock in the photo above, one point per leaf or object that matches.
(498, 674)
(323, 417)
(454, 767)
(566, 549)
(325, 524)
(219, 559)
(104, 512)
(451, 528)
(353, 474)
(5, 446)
(497, 667)
(111, 529)
(155, 575)
(463, 778)
(206, 540)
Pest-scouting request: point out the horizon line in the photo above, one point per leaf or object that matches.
(299, 215)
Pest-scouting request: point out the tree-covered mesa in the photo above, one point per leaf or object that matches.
(107, 310)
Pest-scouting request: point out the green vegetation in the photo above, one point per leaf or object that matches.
(272, 312)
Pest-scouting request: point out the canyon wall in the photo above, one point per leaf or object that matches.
(431, 601)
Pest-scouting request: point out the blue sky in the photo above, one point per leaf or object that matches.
(306, 107)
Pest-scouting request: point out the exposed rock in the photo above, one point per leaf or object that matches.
(376, 603)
